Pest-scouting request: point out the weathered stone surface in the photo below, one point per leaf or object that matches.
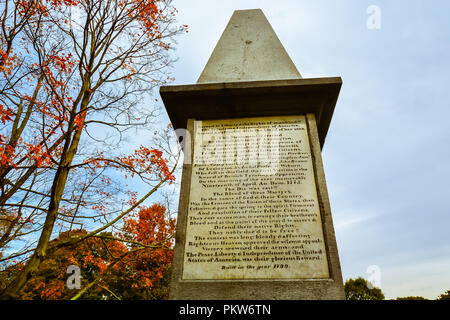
(296, 289)
(253, 99)
(253, 208)
(248, 50)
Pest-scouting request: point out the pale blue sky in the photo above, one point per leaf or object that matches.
(386, 156)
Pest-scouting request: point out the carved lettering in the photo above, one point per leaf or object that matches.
(253, 208)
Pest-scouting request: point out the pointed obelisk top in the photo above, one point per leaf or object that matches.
(248, 50)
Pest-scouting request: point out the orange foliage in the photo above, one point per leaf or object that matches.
(142, 270)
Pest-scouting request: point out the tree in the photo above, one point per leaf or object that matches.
(359, 289)
(411, 298)
(112, 266)
(74, 76)
(444, 296)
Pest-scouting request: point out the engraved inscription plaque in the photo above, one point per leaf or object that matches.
(253, 208)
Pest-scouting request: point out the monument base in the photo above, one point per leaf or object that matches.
(309, 270)
(254, 219)
(257, 290)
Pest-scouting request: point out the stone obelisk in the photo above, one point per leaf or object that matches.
(254, 217)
